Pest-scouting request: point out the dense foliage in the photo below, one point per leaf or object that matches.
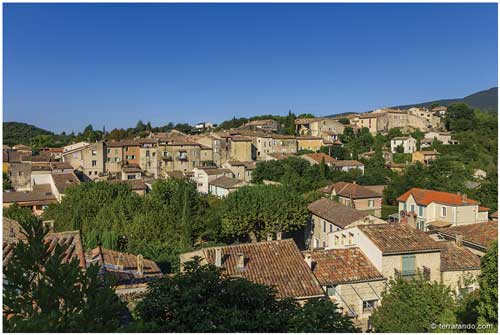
(41, 293)
(414, 306)
(173, 218)
(200, 299)
(488, 282)
(253, 211)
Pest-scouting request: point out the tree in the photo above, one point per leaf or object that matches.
(318, 316)
(254, 211)
(201, 299)
(460, 117)
(42, 293)
(413, 306)
(344, 120)
(488, 284)
(7, 185)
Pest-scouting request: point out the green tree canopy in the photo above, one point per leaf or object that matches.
(413, 306)
(201, 299)
(42, 293)
(254, 211)
(488, 283)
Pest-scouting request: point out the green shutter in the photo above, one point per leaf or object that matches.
(408, 265)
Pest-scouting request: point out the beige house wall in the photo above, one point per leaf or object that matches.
(431, 260)
(313, 145)
(240, 151)
(114, 159)
(149, 159)
(350, 297)
(460, 279)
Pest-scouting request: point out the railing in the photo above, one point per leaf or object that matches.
(425, 272)
(393, 218)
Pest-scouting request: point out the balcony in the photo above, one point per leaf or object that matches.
(425, 272)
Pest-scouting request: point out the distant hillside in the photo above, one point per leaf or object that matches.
(486, 101)
(21, 133)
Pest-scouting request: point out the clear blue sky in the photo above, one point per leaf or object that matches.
(66, 66)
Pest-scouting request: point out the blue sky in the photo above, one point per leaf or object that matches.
(68, 65)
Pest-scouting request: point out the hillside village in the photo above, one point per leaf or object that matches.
(350, 234)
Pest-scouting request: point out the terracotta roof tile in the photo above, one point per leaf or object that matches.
(64, 180)
(334, 212)
(339, 266)
(274, 263)
(127, 274)
(398, 238)
(70, 238)
(425, 197)
(341, 163)
(483, 233)
(319, 156)
(455, 258)
(351, 190)
(41, 193)
(227, 182)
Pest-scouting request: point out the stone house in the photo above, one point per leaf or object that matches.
(148, 156)
(423, 208)
(396, 250)
(241, 170)
(224, 185)
(314, 143)
(318, 127)
(347, 165)
(353, 195)
(350, 279)
(18, 168)
(327, 216)
(424, 156)
(202, 176)
(87, 158)
(408, 143)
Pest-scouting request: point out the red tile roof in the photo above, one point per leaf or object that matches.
(127, 274)
(397, 238)
(274, 263)
(425, 197)
(482, 234)
(340, 266)
(455, 258)
(351, 190)
(71, 239)
(319, 156)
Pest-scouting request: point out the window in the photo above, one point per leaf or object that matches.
(404, 206)
(343, 239)
(324, 244)
(131, 176)
(420, 210)
(412, 208)
(94, 152)
(330, 290)
(20, 173)
(369, 305)
(316, 243)
(443, 211)
(371, 203)
(336, 240)
(147, 153)
(408, 265)
(331, 228)
(109, 151)
(11, 232)
(94, 163)
(351, 238)
(324, 226)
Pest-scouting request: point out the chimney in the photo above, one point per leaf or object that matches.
(308, 259)
(459, 240)
(140, 265)
(464, 197)
(278, 236)
(218, 257)
(119, 262)
(269, 236)
(354, 182)
(240, 265)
